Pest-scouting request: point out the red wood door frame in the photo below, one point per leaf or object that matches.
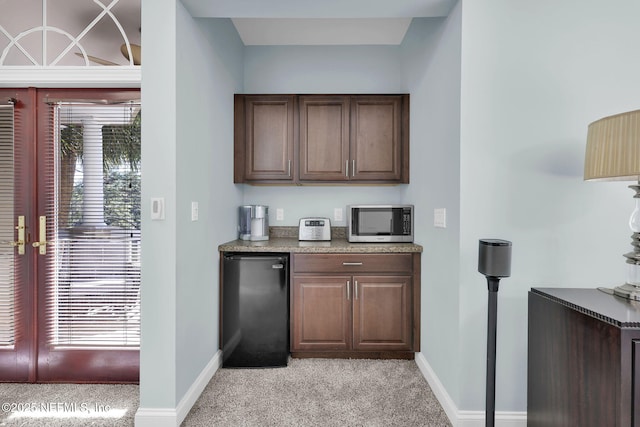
(17, 364)
(32, 359)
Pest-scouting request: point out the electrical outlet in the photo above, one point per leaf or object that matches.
(440, 218)
(337, 214)
(279, 214)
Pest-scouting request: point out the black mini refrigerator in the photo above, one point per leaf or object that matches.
(255, 310)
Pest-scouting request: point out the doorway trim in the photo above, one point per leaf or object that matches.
(70, 77)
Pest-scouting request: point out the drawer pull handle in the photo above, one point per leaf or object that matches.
(351, 263)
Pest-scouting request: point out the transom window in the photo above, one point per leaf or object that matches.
(49, 33)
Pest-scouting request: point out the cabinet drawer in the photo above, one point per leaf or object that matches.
(352, 263)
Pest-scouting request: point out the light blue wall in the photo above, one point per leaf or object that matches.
(187, 143)
(534, 75)
(159, 179)
(431, 63)
(209, 72)
(321, 69)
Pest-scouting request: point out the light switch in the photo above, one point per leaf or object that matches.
(279, 214)
(194, 211)
(157, 208)
(440, 218)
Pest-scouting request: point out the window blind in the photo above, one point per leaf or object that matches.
(7, 228)
(93, 226)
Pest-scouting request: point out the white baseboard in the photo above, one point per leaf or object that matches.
(156, 417)
(173, 417)
(438, 389)
(464, 418)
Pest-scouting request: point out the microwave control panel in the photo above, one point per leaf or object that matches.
(406, 222)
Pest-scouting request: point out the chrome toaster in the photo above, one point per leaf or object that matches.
(314, 228)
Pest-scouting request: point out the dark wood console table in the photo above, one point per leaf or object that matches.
(583, 359)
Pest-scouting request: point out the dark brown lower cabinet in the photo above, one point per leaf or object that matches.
(583, 359)
(321, 316)
(369, 312)
(382, 313)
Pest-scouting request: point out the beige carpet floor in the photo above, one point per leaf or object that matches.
(309, 392)
(68, 405)
(319, 392)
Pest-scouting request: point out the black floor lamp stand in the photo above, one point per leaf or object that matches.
(492, 317)
(494, 261)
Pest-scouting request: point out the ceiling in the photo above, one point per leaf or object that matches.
(320, 22)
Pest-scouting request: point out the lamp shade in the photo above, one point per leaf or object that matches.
(613, 148)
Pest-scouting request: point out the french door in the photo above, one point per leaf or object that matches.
(69, 235)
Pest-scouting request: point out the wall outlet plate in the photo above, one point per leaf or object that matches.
(337, 214)
(440, 218)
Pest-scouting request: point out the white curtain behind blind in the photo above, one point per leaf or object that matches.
(7, 228)
(93, 226)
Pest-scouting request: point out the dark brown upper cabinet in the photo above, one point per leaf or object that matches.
(264, 138)
(324, 138)
(305, 139)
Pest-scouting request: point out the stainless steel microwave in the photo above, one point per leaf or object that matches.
(380, 223)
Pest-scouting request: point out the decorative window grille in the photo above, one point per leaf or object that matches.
(49, 33)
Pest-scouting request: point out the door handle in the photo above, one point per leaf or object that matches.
(20, 242)
(41, 244)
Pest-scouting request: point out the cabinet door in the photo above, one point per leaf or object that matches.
(376, 138)
(382, 313)
(324, 138)
(269, 137)
(321, 309)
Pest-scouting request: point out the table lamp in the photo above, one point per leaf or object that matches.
(613, 154)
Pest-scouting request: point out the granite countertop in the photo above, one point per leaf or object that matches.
(285, 239)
